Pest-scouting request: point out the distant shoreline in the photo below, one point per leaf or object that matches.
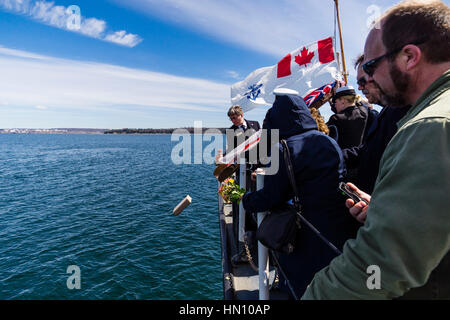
(103, 131)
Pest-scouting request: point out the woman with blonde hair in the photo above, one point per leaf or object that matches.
(350, 118)
(321, 125)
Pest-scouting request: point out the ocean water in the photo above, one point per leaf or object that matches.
(104, 203)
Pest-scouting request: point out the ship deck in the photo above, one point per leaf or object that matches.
(240, 282)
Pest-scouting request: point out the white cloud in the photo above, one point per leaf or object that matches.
(124, 38)
(21, 54)
(59, 84)
(93, 27)
(233, 74)
(60, 17)
(272, 27)
(48, 13)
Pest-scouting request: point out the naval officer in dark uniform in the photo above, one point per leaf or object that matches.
(236, 116)
(350, 118)
(249, 127)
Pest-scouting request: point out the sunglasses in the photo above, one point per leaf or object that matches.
(370, 66)
(361, 82)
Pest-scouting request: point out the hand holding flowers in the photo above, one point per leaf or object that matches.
(230, 191)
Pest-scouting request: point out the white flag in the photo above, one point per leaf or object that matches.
(302, 70)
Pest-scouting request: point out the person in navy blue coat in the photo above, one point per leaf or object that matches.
(366, 157)
(319, 167)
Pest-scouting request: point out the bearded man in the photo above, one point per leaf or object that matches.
(403, 248)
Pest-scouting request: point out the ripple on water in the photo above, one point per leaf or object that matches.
(104, 203)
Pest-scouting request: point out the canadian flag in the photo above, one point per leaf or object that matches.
(303, 70)
(302, 57)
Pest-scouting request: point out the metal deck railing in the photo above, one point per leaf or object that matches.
(242, 282)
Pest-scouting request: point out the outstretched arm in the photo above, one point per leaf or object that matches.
(276, 190)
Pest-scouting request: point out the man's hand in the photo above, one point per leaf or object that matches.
(218, 156)
(253, 176)
(358, 210)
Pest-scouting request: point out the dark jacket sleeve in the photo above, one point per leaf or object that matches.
(333, 120)
(351, 124)
(352, 156)
(371, 124)
(276, 191)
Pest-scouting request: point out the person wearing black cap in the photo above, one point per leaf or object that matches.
(350, 118)
(318, 168)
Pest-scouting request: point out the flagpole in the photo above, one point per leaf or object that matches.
(342, 43)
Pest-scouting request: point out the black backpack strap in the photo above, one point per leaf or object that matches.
(290, 172)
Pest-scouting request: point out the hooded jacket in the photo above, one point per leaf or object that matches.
(319, 167)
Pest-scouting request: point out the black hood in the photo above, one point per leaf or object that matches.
(290, 115)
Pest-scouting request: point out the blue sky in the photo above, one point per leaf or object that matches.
(153, 63)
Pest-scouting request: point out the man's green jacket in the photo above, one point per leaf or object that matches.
(403, 248)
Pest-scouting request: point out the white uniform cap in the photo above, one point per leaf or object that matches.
(284, 91)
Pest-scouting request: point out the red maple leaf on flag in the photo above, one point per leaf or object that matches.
(304, 57)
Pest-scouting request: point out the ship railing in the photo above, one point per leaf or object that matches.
(263, 252)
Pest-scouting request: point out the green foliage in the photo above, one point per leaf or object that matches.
(230, 191)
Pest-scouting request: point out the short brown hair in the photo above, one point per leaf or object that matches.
(235, 110)
(424, 21)
(359, 60)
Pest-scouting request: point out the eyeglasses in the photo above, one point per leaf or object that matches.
(370, 66)
(361, 82)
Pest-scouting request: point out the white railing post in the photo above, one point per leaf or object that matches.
(263, 252)
(242, 184)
